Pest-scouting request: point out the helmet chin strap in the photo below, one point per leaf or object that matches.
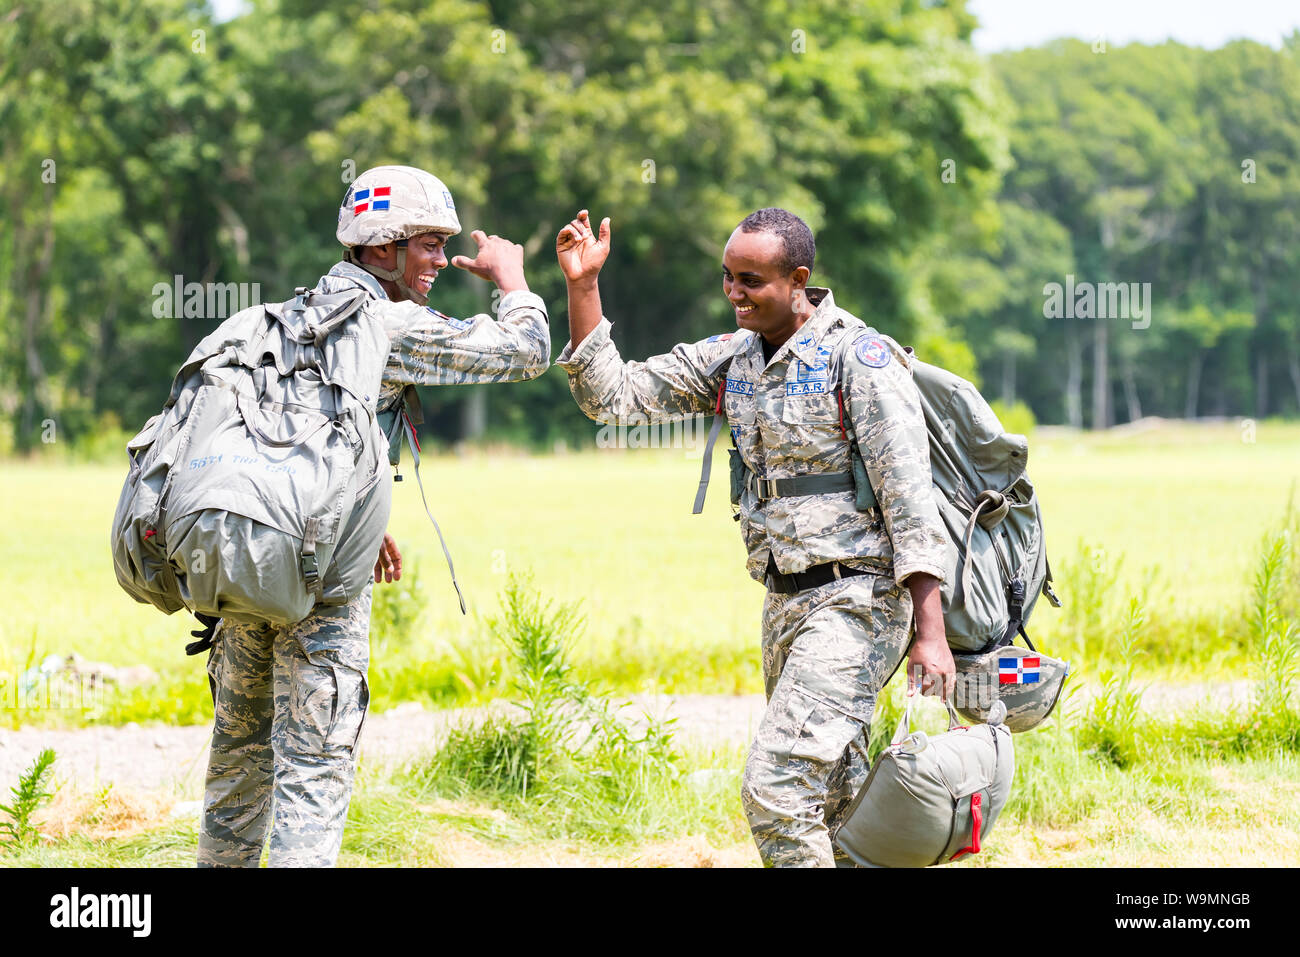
(397, 276)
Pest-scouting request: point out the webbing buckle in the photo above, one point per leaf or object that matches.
(764, 488)
(310, 571)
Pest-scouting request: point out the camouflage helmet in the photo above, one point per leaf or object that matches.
(393, 204)
(1028, 682)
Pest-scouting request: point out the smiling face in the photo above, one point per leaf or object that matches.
(424, 259)
(767, 298)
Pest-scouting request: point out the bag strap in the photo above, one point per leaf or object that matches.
(706, 467)
(977, 820)
(414, 444)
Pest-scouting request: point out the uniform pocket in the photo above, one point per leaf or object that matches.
(798, 725)
(809, 407)
(351, 701)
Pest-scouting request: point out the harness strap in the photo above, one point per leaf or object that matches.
(818, 484)
(706, 466)
(310, 567)
(998, 506)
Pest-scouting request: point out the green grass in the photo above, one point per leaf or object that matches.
(1174, 516)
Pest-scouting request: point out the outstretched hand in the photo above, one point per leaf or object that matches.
(580, 251)
(498, 260)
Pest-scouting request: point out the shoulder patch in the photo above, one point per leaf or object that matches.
(720, 337)
(871, 351)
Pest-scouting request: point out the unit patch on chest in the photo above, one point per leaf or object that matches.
(454, 323)
(813, 378)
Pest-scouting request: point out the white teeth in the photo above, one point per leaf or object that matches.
(745, 308)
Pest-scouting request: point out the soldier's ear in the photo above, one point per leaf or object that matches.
(383, 256)
(799, 278)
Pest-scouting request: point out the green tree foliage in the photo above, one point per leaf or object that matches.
(143, 140)
(221, 157)
(1167, 165)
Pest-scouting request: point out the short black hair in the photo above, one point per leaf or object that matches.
(796, 237)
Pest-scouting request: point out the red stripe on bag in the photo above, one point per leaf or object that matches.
(975, 801)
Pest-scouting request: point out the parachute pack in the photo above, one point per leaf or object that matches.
(930, 800)
(260, 490)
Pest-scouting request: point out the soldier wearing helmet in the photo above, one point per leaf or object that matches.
(290, 702)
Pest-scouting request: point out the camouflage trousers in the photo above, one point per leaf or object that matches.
(827, 653)
(290, 703)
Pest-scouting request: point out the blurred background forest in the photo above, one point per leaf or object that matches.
(143, 140)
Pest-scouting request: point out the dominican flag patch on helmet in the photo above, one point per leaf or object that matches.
(1017, 671)
(370, 199)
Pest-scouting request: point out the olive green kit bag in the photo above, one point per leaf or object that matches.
(930, 800)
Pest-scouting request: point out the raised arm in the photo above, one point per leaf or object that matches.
(430, 348)
(670, 386)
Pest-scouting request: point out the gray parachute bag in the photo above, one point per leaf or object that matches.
(996, 563)
(930, 800)
(260, 490)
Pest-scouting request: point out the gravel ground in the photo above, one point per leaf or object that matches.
(174, 759)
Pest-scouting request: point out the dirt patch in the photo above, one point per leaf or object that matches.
(174, 759)
(693, 852)
(111, 814)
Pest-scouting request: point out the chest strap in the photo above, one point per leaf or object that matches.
(819, 484)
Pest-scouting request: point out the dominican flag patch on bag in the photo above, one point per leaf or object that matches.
(362, 199)
(1017, 671)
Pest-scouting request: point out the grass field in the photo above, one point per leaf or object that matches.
(1183, 518)
(1175, 515)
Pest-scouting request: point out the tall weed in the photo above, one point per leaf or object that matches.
(563, 737)
(1113, 724)
(28, 796)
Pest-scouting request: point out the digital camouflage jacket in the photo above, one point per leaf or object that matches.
(785, 420)
(429, 348)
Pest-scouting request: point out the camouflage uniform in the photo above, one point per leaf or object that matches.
(827, 651)
(290, 702)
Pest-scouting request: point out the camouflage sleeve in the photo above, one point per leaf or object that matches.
(671, 386)
(884, 406)
(429, 348)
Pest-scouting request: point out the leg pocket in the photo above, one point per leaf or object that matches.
(352, 698)
(826, 734)
(799, 725)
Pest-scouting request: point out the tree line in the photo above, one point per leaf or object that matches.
(149, 151)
